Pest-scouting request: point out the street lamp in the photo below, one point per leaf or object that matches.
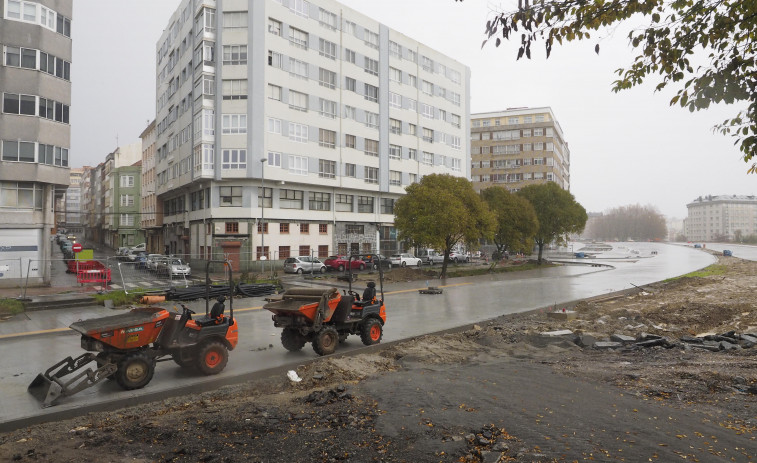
(262, 208)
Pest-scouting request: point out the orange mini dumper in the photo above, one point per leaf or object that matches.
(126, 348)
(326, 318)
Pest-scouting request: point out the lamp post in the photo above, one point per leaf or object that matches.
(262, 209)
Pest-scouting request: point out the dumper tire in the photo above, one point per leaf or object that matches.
(212, 357)
(371, 332)
(135, 370)
(292, 340)
(325, 341)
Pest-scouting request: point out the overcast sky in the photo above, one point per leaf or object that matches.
(627, 148)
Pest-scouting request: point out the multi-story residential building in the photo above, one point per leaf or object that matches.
(289, 127)
(518, 147)
(152, 209)
(720, 218)
(122, 178)
(35, 86)
(73, 211)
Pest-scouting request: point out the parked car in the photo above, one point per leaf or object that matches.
(303, 264)
(373, 261)
(340, 263)
(458, 257)
(405, 260)
(173, 266)
(141, 260)
(152, 261)
(133, 256)
(436, 258)
(122, 251)
(139, 247)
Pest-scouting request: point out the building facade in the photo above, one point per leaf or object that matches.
(72, 219)
(121, 193)
(35, 135)
(518, 147)
(288, 127)
(721, 218)
(152, 210)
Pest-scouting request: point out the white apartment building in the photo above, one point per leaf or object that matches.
(301, 119)
(723, 217)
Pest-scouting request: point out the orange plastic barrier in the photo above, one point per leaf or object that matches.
(92, 272)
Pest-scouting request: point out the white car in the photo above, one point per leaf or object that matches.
(405, 260)
(152, 261)
(173, 266)
(140, 247)
(458, 257)
(303, 264)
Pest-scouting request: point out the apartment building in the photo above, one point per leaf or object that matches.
(72, 220)
(35, 86)
(721, 218)
(289, 127)
(518, 147)
(121, 186)
(151, 220)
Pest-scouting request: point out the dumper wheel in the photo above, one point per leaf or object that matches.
(135, 370)
(325, 341)
(212, 357)
(292, 340)
(371, 332)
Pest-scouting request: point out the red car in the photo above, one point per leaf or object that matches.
(340, 263)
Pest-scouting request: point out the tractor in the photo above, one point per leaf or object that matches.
(325, 317)
(126, 347)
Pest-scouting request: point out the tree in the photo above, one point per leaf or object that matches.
(640, 223)
(673, 31)
(516, 220)
(440, 212)
(557, 211)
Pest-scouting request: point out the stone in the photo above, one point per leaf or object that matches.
(647, 337)
(748, 338)
(653, 342)
(557, 333)
(725, 345)
(607, 345)
(710, 348)
(691, 340)
(622, 338)
(585, 340)
(566, 315)
(490, 457)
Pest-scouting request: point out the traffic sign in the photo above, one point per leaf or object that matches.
(76, 247)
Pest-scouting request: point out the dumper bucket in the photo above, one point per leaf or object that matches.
(54, 383)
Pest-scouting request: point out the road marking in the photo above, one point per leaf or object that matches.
(246, 309)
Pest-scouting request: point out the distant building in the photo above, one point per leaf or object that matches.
(121, 207)
(35, 135)
(152, 209)
(72, 220)
(718, 218)
(518, 147)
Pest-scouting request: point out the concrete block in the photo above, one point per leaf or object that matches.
(585, 340)
(622, 338)
(557, 333)
(567, 315)
(607, 345)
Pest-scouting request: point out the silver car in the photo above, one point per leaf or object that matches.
(304, 264)
(173, 266)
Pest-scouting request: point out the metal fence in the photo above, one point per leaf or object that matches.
(137, 276)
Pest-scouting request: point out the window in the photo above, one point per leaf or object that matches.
(427, 64)
(266, 199)
(319, 201)
(371, 174)
(365, 204)
(300, 7)
(21, 195)
(354, 229)
(284, 228)
(343, 203)
(231, 196)
(395, 75)
(387, 206)
(235, 54)
(395, 178)
(350, 170)
(326, 168)
(274, 125)
(262, 228)
(127, 200)
(235, 89)
(371, 93)
(395, 126)
(327, 49)
(298, 132)
(298, 165)
(326, 138)
(350, 141)
(274, 92)
(350, 112)
(395, 49)
(234, 159)
(371, 39)
(349, 55)
(127, 220)
(327, 108)
(327, 19)
(371, 147)
(290, 199)
(456, 165)
(454, 119)
(298, 68)
(298, 38)
(412, 80)
(274, 59)
(428, 158)
(234, 123)
(326, 78)
(298, 101)
(539, 118)
(323, 228)
(412, 129)
(350, 84)
(274, 26)
(304, 228)
(239, 19)
(395, 152)
(427, 87)
(304, 250)
(370, 66)
(350, 27)
(371, 119)
(127, 181)
(232, 227)
(428, 135)
(427, 111)
(412, 153)
(395, 100)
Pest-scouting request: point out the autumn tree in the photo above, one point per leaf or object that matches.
(640, 223)
(440, 212)
(557, 211)
(674, 35)
(516, 221)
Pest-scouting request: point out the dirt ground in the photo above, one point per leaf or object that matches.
(501, 391)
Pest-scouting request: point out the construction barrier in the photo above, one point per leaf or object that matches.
(92, 271)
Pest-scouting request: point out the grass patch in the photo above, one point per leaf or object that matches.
(119, 298)
(11, 306)
(712, 270)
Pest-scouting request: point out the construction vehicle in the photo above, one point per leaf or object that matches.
(325, 318)
(126, 347)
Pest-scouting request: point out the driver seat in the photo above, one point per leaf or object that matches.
(216, 314)
(368, 295)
